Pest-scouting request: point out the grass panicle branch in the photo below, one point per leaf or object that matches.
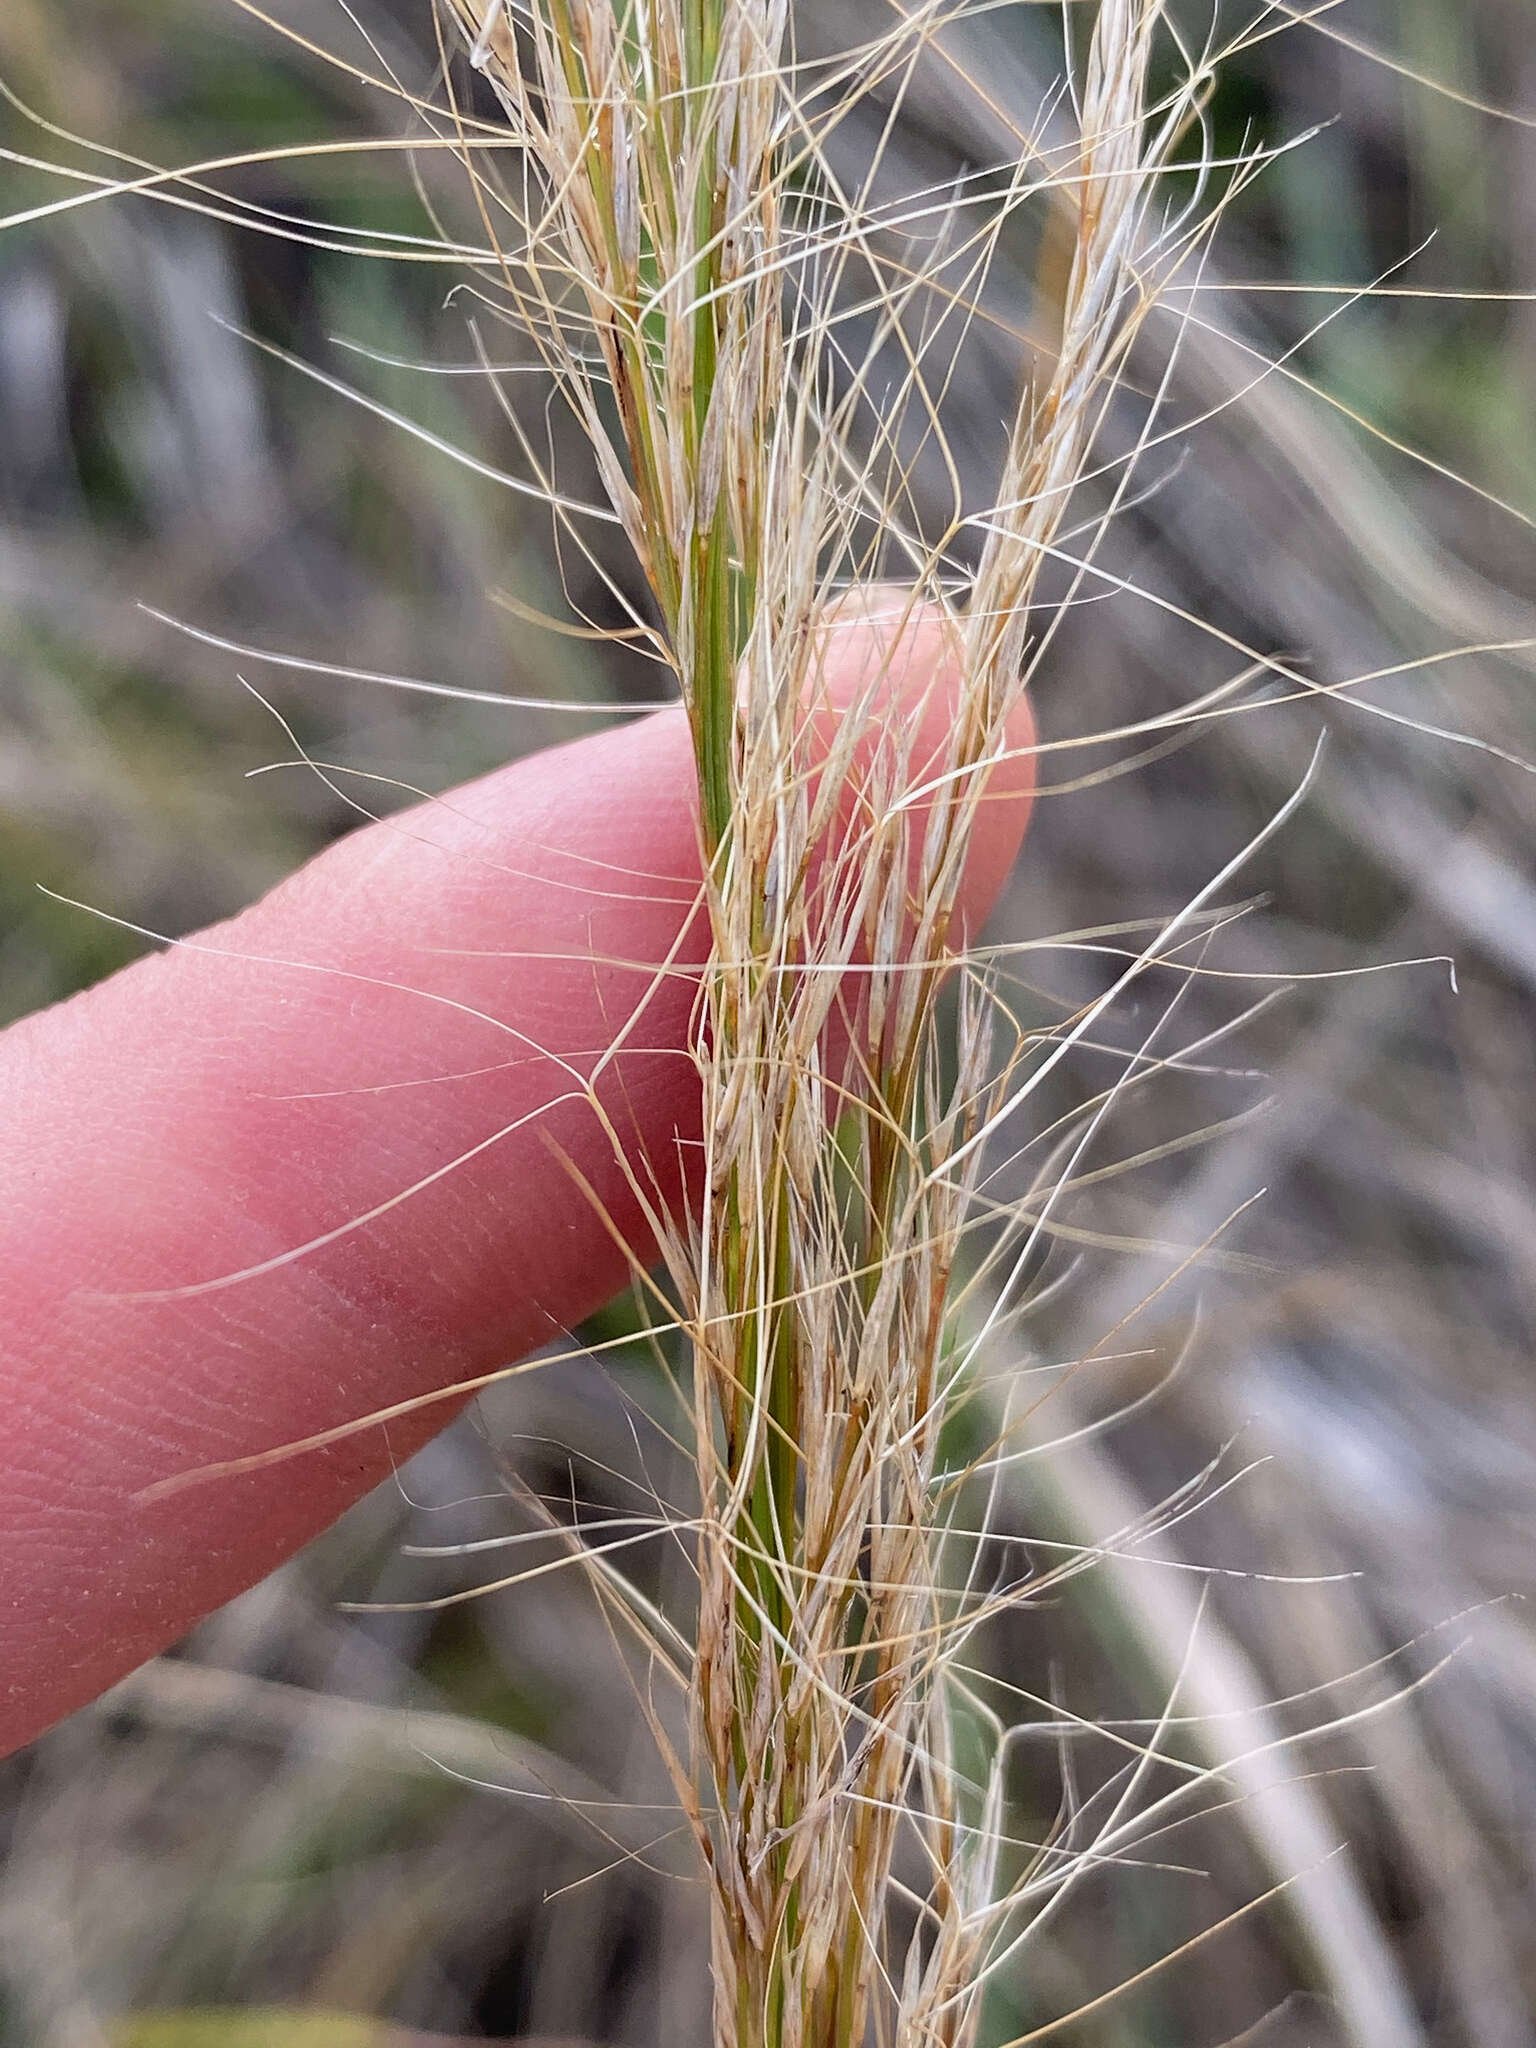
(683, 255)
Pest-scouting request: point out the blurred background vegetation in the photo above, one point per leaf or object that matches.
(316, 1813)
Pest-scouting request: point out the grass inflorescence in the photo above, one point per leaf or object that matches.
(745, 341)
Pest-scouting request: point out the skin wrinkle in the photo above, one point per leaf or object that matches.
(149, 1145)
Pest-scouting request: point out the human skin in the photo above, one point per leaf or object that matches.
(317, 1162)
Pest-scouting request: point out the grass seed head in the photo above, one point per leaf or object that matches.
(688, 224)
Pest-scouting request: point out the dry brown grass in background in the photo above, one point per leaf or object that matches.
(877, 463)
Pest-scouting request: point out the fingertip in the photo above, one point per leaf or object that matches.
(899, 661)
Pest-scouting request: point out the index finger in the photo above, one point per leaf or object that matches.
(312, 1164)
